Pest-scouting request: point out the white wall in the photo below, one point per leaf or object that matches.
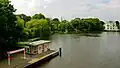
(40, 48)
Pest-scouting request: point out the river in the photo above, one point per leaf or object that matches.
(79, 51)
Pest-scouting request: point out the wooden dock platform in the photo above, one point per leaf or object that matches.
(37, 61)
(30, 62)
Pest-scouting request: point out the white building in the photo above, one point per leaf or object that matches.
(110, 26)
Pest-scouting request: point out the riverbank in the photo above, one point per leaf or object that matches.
(73, 32)
(111, 31)
(19, 62)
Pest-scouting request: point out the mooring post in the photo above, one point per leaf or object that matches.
(60, 51)
(8, 59)
(24, 53)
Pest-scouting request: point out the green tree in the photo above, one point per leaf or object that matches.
(38, 16)
(24, 17)
(20, 22)
(54, 25)
(75, 23)
(56, 19)
(118, 24)
(23, 32)
(87, 24)
(9, 34)
(102, 22)
(64, 21)
(38, 28)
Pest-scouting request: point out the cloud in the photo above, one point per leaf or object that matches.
(103, 9)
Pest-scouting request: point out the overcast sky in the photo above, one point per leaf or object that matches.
(68, 9)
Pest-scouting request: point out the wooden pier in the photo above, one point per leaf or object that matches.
(38, 61)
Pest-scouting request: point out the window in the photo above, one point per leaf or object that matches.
(45, 45)
(107, 26)
(39, 48)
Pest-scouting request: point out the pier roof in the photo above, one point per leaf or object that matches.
(35, 43)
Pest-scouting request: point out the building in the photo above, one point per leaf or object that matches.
(36, 47)
(110, 26)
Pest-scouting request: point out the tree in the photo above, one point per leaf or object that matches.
(56, 19)
(87, 24)
(9, 34)
(38, 28)
(75, 24)
(24, 17)
(54, 24)
(49, 21)
(61, 27)
(38, 16)
(64, 21)
(118, 24)
(20, 23)
(102, 22)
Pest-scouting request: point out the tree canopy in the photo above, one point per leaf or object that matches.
(8, 26)
(24, 17)
(36, 27)
(38, 16)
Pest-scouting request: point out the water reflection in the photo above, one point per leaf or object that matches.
(92, 35)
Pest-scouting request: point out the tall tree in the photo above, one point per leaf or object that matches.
(102, 22)
(118, 24)
(9, 34)
(56, 19)
(38, 16)
(24, 17)
(38, 28)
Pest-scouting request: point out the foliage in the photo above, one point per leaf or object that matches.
(24, 17)
(20, 22)
(8, 26)
(77, 25)
(10, 29)
(37, 27)
(38, 16)
(54, 24)
(118, 24)
(56, 19)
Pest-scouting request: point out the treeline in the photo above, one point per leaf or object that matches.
(15, 28)
(40, 26)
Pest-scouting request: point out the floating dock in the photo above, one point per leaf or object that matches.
(37, 61)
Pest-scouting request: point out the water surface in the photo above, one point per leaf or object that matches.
(79, 51)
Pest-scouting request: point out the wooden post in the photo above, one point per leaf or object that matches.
(60, 51)
(15, 51)
(8, 59)
(24, 54)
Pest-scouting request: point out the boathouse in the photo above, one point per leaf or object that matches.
(37, 47)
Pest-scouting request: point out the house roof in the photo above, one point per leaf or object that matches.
(35, 43)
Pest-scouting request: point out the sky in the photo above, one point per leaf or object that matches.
(69, 9)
